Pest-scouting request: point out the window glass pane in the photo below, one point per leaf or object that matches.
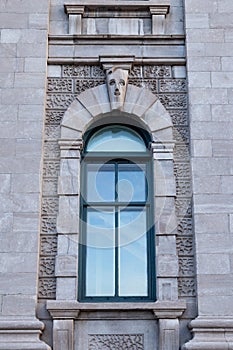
(100, 182)
(132, 182)
(100, 252)
(132, 240)
(116, 139)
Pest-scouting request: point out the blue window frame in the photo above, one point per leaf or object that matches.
(116, 255)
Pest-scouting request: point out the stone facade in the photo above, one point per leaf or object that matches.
(54, 56)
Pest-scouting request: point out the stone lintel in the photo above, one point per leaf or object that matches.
(71, 309)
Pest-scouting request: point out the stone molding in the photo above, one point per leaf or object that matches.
(211, 333)
(23, 333)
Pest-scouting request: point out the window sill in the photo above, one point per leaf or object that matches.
(61, 309)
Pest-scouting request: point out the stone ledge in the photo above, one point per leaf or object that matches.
(71, 309)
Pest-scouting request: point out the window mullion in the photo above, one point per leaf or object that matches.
(116, 231)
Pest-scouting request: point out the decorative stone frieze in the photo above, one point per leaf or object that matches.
(187, 286)
(46, 268)
(48, 225)
(59, 101)
(78, 71)
(172, 85)
(48, 245)
(173, 100)
(53, 117)
(47, 288)
(59, 85)
(85, 84)
(120, 341)
(184, 246)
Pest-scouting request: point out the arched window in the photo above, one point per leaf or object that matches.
(117, 239)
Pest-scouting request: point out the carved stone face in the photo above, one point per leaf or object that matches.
(117, 79)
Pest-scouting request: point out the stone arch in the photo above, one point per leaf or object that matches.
(140, 103)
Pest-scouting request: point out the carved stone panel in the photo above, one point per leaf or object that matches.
(115, 342)
(47, 288)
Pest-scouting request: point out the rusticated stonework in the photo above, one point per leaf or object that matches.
(115, 342)
(172, 92)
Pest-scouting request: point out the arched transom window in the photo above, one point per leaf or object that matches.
(117, 239)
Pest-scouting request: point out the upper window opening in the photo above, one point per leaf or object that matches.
(116, 139)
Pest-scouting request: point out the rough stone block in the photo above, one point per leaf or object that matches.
(213, 203)
(54, 71)
(210, 184)
(179, 72)
(19, 96)
(27, 149)
(18, 283)
(5, 183)
(167, 289)
(66, 266)
(68, 244)
(18, 262)
(198, 6)
(68, 185)
(211, 264)
(68, 218)
(227, 184)
(212, 243)
(208, 96)
(199, 79)
(6, 223)
(223, 79)
(202, 148)
(25, 183)
(25, 222)
(8, 113)
(205, 35)
(30, 112)
(18, 305)
(14, 20)
(25, 80)
(231, 222)
(24, 243)
(66, 288)
(166, 245)
(26, 202)
(167, 266)
(38, 20)
(216, 305)
(221, 20)
(229, 36)
(209, 64)
(200, 113)
(197, 20)
(6, 203)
